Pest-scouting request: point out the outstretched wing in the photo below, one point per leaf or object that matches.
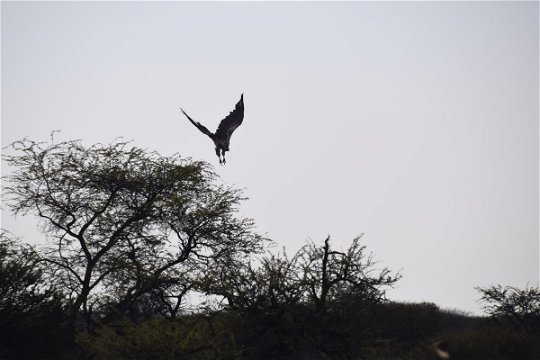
(231, 122)
(203, 129)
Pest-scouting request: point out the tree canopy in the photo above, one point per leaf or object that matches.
(124, 221)
(519, 307)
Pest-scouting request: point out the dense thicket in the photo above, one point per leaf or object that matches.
(146, 257)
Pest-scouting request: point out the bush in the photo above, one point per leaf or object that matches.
(489, 342)
(195, 337)
(33, 323)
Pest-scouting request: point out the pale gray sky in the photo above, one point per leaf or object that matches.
(414, 123)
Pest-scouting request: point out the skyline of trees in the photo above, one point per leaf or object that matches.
(148, 257)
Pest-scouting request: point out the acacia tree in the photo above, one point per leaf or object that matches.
(519, 307)
(260, 297)
(269, 286)
(122, 221)
(286, 304)
(315, 275)
(329, 274)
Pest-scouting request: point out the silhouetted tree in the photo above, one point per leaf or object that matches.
(33, 323)
(271, 282)
(315, 274)
(329, 274)
(519, 307)
(122, 221)
(262, 296)
(289, 305)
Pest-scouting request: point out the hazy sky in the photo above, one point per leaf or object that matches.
(414, 123)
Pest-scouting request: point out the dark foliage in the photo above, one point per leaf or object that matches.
(132, 235)
(298, 306)
(33, 320)
(126, 226)
(517, 307)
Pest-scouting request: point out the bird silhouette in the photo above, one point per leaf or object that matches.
(222, 136)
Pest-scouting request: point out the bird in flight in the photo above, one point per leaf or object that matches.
(226, 127)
